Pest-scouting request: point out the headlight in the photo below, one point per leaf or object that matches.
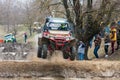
(67, 38)
(51, 37)
(39, 35)
(45, 35)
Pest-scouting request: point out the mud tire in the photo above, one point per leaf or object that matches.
(44, 51)
(39, 53)
(72, 55)
(65, 55)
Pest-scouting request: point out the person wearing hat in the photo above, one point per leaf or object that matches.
(113, 37)
(62, 27)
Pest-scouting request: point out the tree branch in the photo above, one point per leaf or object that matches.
(65, 3)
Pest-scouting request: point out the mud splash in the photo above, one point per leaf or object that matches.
(14, 51)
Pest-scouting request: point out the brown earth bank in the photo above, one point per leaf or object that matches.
(61, 69)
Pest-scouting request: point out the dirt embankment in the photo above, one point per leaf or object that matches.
(63, 69)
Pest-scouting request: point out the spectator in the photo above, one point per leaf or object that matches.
(118, 35)
(113, 37)
(14, 39)
(107, 29)
(107, 43)
(91, 40)
(25, 37)
(118, 38)
(81, 50)
(97, 42)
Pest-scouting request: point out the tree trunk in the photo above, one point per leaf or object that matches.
(89, 27)
(30, 29)
(78, 20)
(65, 3)
(86, 50)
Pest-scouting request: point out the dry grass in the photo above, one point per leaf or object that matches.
(2, 32)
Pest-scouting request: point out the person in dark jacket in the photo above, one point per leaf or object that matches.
(118, 38)
(106, 43)
(25, 37)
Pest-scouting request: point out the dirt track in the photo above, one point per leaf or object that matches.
(58, 68)
(63, 69)
(97, 69)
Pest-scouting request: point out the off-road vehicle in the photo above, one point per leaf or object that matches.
(57, 34)
(9, 38)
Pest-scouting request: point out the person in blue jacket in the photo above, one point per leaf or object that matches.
(81, 50)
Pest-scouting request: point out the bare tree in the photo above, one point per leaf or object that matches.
(92, 22)
(11, 14)
(29, 15)
(46, 8)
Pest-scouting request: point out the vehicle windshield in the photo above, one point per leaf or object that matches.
(9, 36)
(58, 26)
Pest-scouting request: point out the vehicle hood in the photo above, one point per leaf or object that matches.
(61, 35)
(59, 32)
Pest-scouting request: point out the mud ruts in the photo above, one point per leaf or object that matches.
(14, 51)
(40, 69)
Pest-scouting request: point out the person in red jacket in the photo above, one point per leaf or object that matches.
(113, 37)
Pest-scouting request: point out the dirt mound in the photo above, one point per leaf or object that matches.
(67, 69)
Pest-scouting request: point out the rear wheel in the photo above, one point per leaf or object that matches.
(72, 53)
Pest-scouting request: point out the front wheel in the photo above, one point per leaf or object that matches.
(39, 53)
(65, 55)
(42, 51)
(69, 53)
